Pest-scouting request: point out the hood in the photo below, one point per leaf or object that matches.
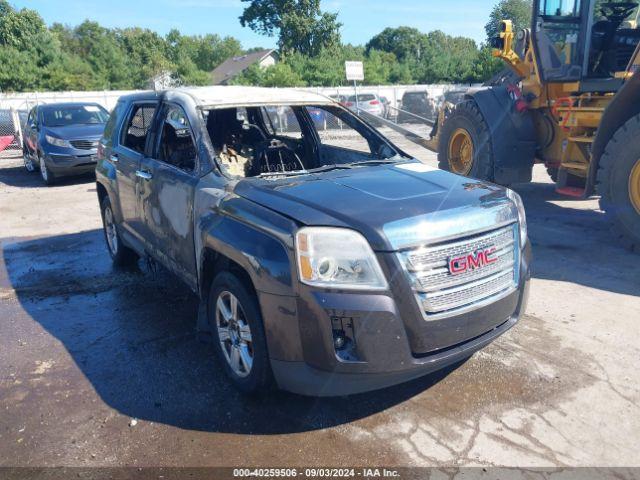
(71, 132)
(393, 206)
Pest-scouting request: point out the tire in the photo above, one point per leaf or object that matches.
(258, 377)
(47, 175)
(621, 159)
(121, 255)
(466, 120)
(553, 173)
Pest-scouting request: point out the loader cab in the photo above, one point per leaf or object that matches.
(584, 40)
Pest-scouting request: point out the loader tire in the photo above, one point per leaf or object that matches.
(465, 143)
(618, 183)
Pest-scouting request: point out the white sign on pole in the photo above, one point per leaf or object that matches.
(355, 71)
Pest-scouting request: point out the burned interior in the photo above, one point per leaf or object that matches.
(269, 140)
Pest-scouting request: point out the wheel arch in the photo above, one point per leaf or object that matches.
(625, 105)
(101, 191)
(255, 255)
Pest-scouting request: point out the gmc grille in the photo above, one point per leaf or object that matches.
(84, 144)
(441, 293)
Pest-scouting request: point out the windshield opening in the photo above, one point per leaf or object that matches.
(74, 115)
(260, 141)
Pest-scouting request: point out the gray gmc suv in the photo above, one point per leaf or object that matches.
(326, 260)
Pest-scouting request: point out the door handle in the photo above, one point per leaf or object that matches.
(144, 175)
(114, 158)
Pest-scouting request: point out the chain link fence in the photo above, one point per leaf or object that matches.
(413, 106)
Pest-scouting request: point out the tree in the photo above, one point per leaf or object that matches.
(300, 24)
(518, 11)
(19, 29)
(404, 42)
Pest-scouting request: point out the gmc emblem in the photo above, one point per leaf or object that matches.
(472, 261)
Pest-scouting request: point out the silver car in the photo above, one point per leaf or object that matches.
(368, 102)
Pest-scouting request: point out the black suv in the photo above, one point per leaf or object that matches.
(326, 259)
(416, 107)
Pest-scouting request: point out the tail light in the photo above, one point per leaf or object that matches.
(349, 104)
(374, 102)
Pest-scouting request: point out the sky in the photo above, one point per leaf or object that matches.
(362, 19)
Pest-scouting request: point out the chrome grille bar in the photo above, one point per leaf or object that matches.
(441, 293)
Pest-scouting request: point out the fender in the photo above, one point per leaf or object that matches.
(513, 134)
(106, 178)
(263, 248)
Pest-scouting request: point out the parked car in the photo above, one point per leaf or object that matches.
(416, 107)
(368, 102)
(328, 268)
(341, 99)
(387, 107)
(61, 139)
(454, 96)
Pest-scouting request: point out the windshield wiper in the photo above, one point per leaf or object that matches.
(382, 161)
(292, 173)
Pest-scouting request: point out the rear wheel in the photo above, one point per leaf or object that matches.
(121, 255)
(28, 160)
(619, 183)
(238, 332)
(465, 144)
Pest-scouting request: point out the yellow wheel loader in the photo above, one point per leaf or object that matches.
(571, 101)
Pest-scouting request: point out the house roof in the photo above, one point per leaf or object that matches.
(235, 65)
(220, 96)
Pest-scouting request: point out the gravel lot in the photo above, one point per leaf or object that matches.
(102, 368)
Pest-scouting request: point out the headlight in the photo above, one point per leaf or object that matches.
(58, 142)
(337, 258)
(522, 218)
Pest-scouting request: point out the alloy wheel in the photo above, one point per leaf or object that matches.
(234, 334)
(28, 163)
(110, 231)
(44, 172)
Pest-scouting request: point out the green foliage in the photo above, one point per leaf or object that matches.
(518, 11)
(91, 57)
(300, 24)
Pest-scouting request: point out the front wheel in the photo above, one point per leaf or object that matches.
(238, 332)
(47, 175)
(619, 183)
(465, 143)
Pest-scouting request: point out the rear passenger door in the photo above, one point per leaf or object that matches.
(167, 192)
(127, 156)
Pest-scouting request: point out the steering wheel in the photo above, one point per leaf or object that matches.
(275, 156)
(617, 11)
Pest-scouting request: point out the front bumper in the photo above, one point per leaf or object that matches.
(387, 333)
(71, 164)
